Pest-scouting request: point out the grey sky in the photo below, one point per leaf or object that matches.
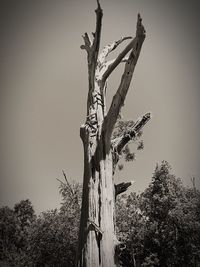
(44, 89)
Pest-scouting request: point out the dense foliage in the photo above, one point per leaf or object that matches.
(160, 227)
(15, 227)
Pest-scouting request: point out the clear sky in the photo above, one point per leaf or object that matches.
(44, 89)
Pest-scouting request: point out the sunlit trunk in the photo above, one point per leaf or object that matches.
(97, 241)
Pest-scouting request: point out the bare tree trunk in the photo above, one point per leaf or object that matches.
(97, 233)
(97, 240)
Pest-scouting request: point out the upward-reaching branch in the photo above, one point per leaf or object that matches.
(119, 97)
(139, 34)
(97, 34)
(92, 48)
(119, 58)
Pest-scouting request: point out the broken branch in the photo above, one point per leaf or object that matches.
(122, 187)
(133, 132)
(109, 48)
(87, 42)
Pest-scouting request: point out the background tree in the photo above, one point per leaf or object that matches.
(161, 226)
(170, 238)
(186, 221)
(131, 227)
(8, 226)
(53, 236)
(97, 240)
(14, 228)
(173, 229)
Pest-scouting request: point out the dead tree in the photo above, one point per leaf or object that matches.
(97, 241)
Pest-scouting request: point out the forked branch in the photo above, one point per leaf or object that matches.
(92, 47)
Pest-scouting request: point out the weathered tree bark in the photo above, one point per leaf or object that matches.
(97, 240)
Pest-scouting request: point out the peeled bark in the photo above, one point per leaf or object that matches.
(97, 239)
